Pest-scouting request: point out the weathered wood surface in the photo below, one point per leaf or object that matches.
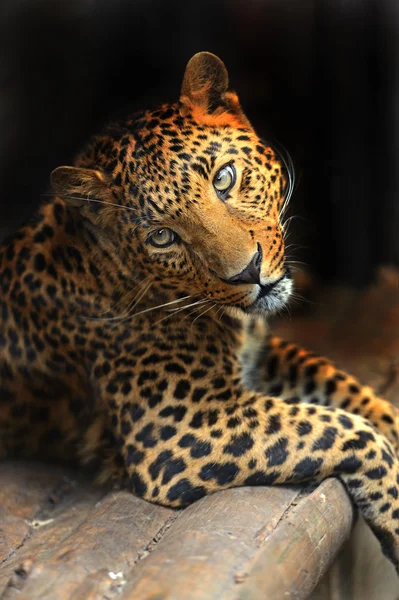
(304, 545)
(63, 538)
(72, 541)
(247, 543)
(212, 543)
(88, 531)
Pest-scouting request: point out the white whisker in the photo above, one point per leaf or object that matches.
(203, 313)
(192, 312)
(113, 204)
(147, 310)
(134, 303)
(131, 305)
(123, 298)
(180, 309)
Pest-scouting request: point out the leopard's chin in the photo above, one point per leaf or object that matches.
(271, 298)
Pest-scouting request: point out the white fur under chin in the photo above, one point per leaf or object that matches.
(270, 304)
(275, 300)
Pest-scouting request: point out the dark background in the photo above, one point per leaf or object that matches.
(321, 77)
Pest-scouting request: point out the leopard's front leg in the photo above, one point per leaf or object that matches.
(175, 441)
(286, 370)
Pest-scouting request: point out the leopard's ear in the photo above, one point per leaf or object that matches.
(205, 79)
(78, 186)
(205, 95)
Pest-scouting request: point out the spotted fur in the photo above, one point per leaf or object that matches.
(152, 362)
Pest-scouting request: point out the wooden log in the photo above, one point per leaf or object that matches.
(301, 549)
(110, 537)
(13, 531)
(24, 489)
(248, 543)
(99, 585)
(211, 546)
(53, 515)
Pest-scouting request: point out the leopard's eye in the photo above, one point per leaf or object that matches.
(224, 180)
(162, 238)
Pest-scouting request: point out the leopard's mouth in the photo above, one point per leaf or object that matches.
(265, 290)
(259, 299)
(271, 297)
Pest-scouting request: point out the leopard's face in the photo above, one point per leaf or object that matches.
(203, 198)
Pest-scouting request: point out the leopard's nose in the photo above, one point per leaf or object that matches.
(251, 273)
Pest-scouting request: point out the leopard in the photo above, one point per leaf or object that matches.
(135, 311)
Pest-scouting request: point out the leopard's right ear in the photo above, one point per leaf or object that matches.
(205, 82)
(77, 186)
(205, 96)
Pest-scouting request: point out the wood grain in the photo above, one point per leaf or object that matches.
(301, 549)
(211, 545)
(109, 537)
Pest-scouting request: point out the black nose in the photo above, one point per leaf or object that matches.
(251, 273)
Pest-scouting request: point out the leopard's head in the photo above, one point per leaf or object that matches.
(189, 196)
